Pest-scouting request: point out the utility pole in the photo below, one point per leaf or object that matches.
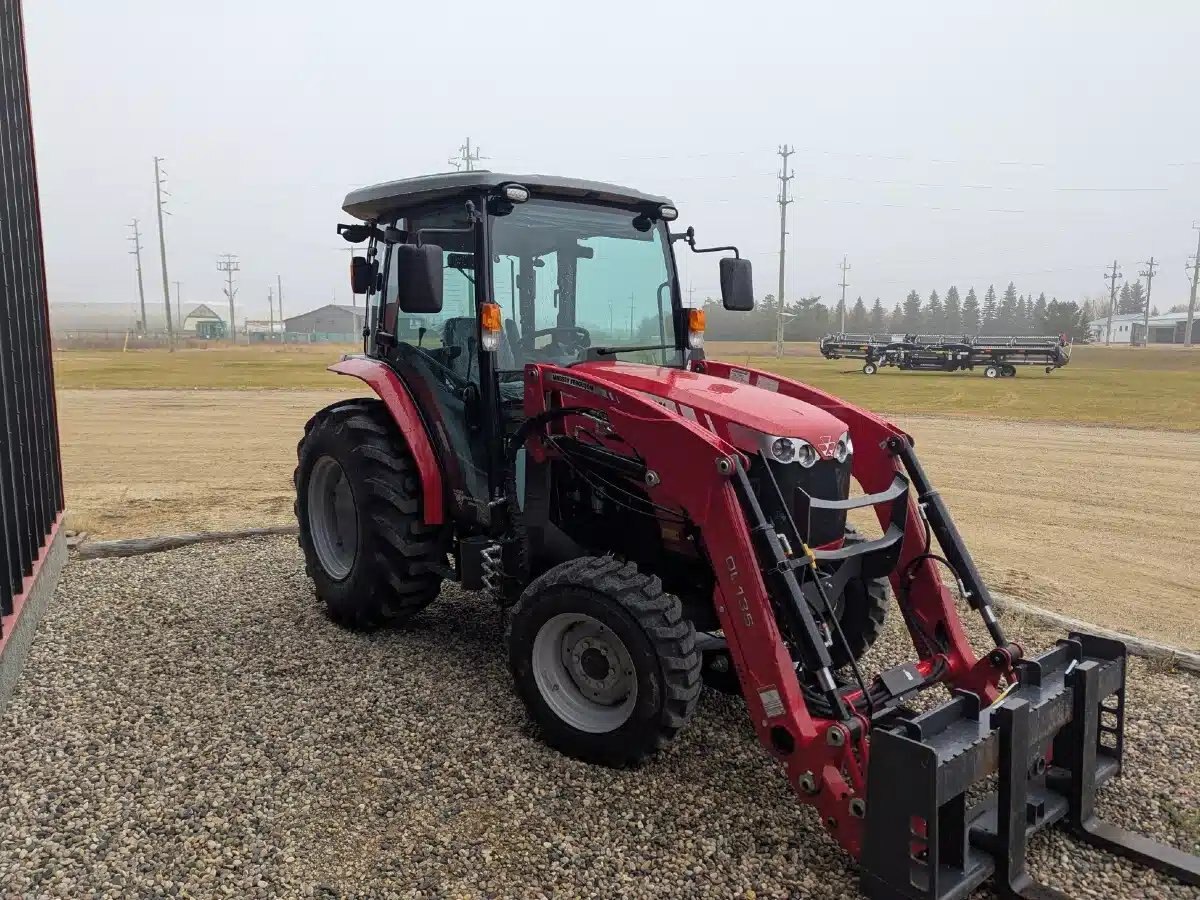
(466, 159)
(845, 269)
(137, 252)
(178, 308)
(1112, 300)
(271, 314)
(279, 295)
(159, 190)
(1187, 329)
(1149, 276)
(228, 263)
(784, 177)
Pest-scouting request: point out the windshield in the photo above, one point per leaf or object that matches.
(571, 275)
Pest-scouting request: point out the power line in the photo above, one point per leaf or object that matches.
(1148, 274)
(845, 267)
(137, 252)
(1112, 300)
(228, 263)
(159, 191)
(784, 177)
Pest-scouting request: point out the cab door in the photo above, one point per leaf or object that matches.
(438, 357)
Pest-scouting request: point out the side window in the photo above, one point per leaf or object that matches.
(449, 336)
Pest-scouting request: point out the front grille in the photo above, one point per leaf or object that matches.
(826, 480)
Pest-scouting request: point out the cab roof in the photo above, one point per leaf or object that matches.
(374, 201)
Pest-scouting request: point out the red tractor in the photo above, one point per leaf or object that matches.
(549, 431)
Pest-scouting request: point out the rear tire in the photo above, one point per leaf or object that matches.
(604, 660)
(1009, 371)
(358, 503)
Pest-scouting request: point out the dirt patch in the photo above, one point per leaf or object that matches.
(1092, 522)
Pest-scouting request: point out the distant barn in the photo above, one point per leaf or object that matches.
(332, 323)
(204, 323)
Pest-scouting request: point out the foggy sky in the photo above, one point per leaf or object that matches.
(937, 143)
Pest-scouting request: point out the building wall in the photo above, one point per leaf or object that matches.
(326, 321)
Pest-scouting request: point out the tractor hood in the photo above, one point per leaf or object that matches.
(730, 408)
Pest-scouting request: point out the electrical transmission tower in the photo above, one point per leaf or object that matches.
(159, 191)
(1195, 276)
(845, 268)
(466, 160)
(784, 177)
(1148, 274)
(1112, 300)
(228, 263)
(136, 252)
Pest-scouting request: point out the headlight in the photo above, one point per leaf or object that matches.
(788, 450)
(783, 449)
(845, 447)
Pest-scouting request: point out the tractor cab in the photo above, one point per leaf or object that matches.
(471, 276)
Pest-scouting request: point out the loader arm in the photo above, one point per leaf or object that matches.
(881, 451)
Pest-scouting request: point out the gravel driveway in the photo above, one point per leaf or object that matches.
(190, 724)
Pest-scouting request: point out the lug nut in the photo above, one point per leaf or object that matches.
(808, 783)
(858, 808)
(834, 737)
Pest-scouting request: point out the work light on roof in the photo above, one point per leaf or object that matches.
(668, 213)
(516, 193)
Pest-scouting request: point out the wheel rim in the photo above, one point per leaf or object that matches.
(332, 518)
(584, 672)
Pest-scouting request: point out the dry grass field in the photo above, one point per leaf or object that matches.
(1069, 511)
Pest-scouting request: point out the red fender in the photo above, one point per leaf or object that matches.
(398, 399)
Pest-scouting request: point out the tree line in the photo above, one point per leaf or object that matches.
(807, 319)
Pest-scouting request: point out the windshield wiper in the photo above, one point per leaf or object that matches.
(593, 352)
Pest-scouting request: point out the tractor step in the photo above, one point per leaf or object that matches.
(1055, 736)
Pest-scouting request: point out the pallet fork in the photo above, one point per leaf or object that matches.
(1052, 740)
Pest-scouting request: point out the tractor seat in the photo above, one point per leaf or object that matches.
(460, 332)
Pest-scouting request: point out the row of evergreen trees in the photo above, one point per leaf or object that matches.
(808, 318)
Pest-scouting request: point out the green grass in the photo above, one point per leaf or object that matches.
(230, 368)
(1141, 388)
(1138, 388)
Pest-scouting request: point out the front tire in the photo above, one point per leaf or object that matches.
(991, 372)
(603, 660)
(862, 612)
(870, 369)
(366, 546)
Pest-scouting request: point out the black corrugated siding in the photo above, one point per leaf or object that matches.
(31, 494)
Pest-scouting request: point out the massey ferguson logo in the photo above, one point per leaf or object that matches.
(826, 445)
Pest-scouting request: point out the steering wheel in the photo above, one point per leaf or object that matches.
(568, 343)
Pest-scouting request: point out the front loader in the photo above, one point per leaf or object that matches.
(548, 431)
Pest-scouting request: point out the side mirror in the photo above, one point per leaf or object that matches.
(362, 274)
(419, 277)
(737, 284)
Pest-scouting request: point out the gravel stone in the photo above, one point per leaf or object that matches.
(190, 724)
